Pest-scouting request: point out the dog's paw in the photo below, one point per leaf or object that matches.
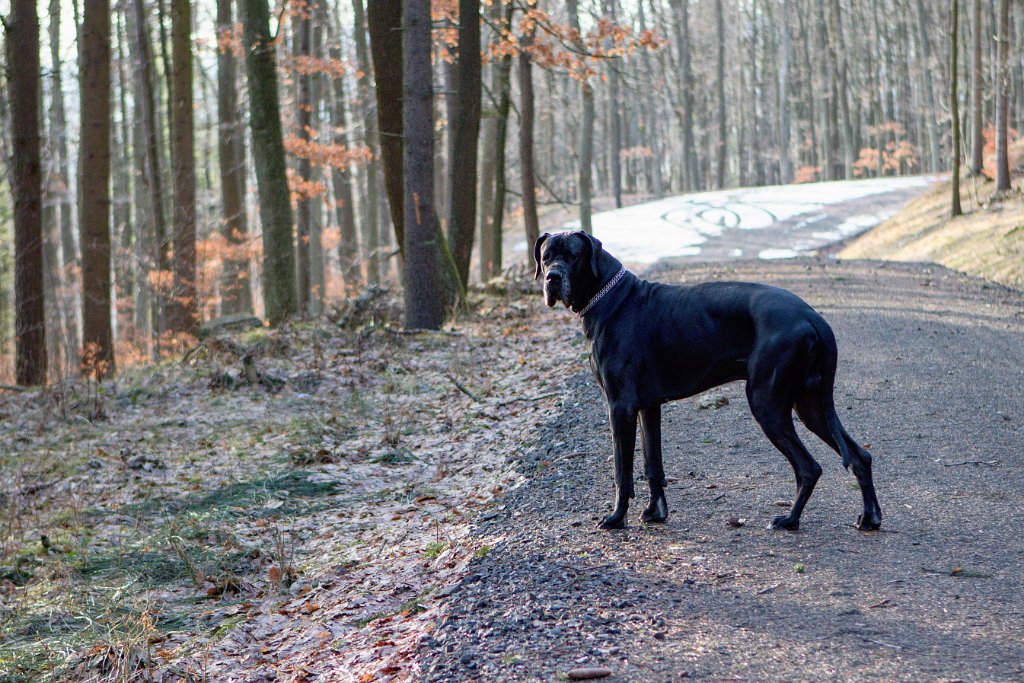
(869, 522)
(785, 522)
(613, 522)
(656, 512)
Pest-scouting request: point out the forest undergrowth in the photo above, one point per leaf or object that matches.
(285, 504)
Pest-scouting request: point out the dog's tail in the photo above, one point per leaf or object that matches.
(828, 360)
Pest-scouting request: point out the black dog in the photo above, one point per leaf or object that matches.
(651, 343)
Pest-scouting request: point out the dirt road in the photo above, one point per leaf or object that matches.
(930, 376)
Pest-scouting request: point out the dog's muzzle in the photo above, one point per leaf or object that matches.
(557, 288)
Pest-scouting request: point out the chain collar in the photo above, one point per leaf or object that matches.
(604, 290)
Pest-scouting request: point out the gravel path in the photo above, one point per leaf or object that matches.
(931, 371)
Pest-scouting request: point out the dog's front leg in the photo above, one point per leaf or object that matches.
(623, 419)
(654, 469)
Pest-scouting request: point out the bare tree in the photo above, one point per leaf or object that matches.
(586, 153)
(94, 205)
(462, 168)
(366, 101)
(279, 286)
(27, 191)
(977, 87)
(184, 309)
(720, 145)
(1003, 99)
(384, 22)
(236, 293)
(526, 117)
(954, 105)
(424, 290)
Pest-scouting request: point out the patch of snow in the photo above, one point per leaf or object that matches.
(776, 253)
(677, 226)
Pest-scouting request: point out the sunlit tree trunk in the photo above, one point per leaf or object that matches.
(977, 87)
(954, 107)
(1002, 93)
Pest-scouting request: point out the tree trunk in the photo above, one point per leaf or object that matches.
(1002, 108)
(236, 293)
(843, 88)
(954, 107)
(615, 118)
(424, 303)
(302, 25)
(720, 145)
(681, 26)
(488, 144)
(27, 192)
(651, 104)
(59, 132)
(503, 89)
(341, 183)
(384, 22)
(934, 150)
(786, 163)
(94, 207)
(145, 102)
(462, 165)
(526, 116)
(279, 286)
(977, 88)
(371, 224)
(123, 234)
(183, 315)
(827, 154)
(586, 189)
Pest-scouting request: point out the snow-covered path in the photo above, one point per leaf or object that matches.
(765, 222)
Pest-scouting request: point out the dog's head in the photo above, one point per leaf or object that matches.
(570, 263)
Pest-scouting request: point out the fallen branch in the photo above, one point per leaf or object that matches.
(462, 387)
(11, 387)
(987, 463)
(540, 397)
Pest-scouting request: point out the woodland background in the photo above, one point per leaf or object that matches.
(167, 162)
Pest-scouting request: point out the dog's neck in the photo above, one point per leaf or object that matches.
(608, 269)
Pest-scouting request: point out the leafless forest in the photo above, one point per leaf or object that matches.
(167, 162)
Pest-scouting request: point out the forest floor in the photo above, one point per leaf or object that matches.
(181, 523)
(928, 381)
(395, 506)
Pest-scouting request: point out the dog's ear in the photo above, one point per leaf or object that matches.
(536, 254)
(595, 250)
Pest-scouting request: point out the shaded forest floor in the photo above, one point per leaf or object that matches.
(184, 523)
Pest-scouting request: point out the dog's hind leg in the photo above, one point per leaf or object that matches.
(654, 469)
(820, 417)
(776, 419)
(623, 421)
